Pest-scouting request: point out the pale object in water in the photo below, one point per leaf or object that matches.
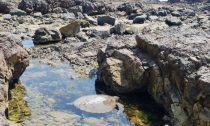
(96, 103)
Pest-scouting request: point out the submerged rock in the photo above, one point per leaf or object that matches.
(96, 103)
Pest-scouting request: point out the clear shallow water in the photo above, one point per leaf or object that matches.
(28, 43)
(50, 92)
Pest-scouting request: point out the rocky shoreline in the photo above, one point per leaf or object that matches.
(160, 47)
(176, 77)
(14, 60)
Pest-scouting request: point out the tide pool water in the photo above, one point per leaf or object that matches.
(28, 43)
(50, 93)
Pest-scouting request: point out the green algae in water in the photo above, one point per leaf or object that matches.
(18, 109)
(59, 85)
(142, 110)
(141, 117)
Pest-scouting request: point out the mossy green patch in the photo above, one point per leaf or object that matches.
(18, 108)
(142, 110)
(139, 117)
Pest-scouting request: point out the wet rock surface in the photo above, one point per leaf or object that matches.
(14, 60)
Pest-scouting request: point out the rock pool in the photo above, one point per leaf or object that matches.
(50, 93)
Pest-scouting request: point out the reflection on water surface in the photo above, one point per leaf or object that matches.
(50, 93)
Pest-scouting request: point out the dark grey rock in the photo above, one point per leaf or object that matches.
(119, 29)
(34, 6)
(75, 9)
(162, 13)
(173, 22)
(127, 7)
(5, 7)
(105, 19)
(140, 19)
(133, 15)
(187, 12)
(45, 36)
(94, 8)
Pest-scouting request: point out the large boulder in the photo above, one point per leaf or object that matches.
(173, 68)
(71, 29)
(46, 35)
(14, 59)
(123, 70)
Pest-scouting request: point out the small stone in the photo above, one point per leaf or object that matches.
(153, 17)
(162, 13)
(140, 19)
(82, 36)
(7, 16)
(194, 60)
(176, 14)
(37, 14)
(173, 22)
(119, 28)
(106, 19)
(132, 16)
